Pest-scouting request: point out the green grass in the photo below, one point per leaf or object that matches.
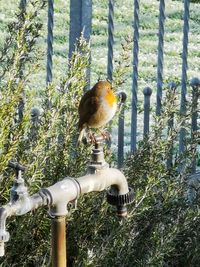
(148, 42)
(123, 27)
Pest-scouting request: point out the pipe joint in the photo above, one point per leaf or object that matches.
(60, 194)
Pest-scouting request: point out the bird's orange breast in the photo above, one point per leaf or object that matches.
(110, 98)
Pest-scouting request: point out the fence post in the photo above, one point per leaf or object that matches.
(172, 86)
(87, 28)
(147, 95)
(184, 72)
(120, 153)
(110, 39)
(80, 22)
(50, 41)
(75, 24)
(21, 105)
(160, 56)
(35, 124)
(22, 4)
(135, 76)
(195, 84)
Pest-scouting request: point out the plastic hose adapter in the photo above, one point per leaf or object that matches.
(121, 201)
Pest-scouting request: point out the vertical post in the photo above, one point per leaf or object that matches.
(120, 152)
(35, 124)
(22, 4)
(80, 22)
(110, 39)
(75, 24)
(86, 18)
(86, 25)
(58, 240)
(135, 75)
(184, 72)
(147, 95)
(160, 56)
(172, 86)
(195, 83)
(50, 41)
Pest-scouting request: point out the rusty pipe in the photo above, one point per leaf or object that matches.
(58, 242)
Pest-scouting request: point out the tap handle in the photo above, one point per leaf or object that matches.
(17, 167)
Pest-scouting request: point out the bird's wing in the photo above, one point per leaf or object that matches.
(88, 106)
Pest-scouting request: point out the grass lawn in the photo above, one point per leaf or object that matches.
(123, 27)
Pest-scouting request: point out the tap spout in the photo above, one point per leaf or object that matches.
(102, 179)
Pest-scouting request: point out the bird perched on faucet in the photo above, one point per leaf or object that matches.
(97, 107)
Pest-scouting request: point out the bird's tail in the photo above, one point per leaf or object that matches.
(80, 137)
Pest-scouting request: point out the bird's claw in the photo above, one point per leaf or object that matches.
(106, 135)
(93, 139)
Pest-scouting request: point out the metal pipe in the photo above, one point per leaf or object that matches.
(102, 180)
(58, 196)
(19, 207)
(69, 189)
(4, 235)
(58, 241)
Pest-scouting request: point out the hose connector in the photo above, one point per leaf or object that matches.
(120, 201)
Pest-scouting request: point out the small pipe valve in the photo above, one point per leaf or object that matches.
(18, 190)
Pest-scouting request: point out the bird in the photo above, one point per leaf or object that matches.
(97, 107)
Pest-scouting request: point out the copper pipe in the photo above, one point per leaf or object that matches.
(58, 244)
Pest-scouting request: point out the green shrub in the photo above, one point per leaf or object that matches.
(162, 227)
(45, 147)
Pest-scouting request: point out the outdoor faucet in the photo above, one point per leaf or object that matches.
(98, 178)
(20, 202)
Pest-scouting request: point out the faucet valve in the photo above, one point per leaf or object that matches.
(16, 166)
(120, 201)
(18, 190)
(97, 161)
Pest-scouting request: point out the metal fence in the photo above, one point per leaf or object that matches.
(81, 21)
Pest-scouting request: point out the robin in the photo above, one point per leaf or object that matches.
(97, 107)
